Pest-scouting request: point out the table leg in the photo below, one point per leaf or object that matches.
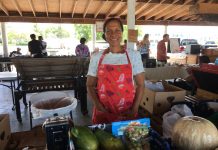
(12, 93)
(17, 105)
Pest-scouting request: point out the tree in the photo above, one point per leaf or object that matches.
(83, 30)
(56, 32)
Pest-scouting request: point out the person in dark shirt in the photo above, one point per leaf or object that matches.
(35, 47)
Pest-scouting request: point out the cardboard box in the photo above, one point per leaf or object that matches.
(160, 102)
(206, 95)
(192, 59)
(5, 130)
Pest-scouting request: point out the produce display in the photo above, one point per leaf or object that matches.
(84, 138)
(194, 132)
(127, 135)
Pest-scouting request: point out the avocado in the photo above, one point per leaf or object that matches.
(108, 141)
(84, 138)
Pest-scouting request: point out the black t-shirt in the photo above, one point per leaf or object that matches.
(35, 47)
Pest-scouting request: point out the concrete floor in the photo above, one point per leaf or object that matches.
(6, 107)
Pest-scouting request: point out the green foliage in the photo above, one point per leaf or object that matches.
(83, 30)
(56, 32)
(17, 38)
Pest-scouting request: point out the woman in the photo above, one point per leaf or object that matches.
(82, 50)
(144, 47)
(113, 70)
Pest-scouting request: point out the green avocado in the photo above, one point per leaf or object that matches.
(84, 138)
(108, 141)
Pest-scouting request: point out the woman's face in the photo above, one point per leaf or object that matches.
(113, 33)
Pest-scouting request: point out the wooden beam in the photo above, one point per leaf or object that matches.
(183, 13)
(17, 7)
(100, 8)
(32, 7)
(73, 7)
(60, 7)
(122, 10)
(92, 21)
(140, 7)
(204, 8)
(4, 9)
(172, 11)
(150, 9)
(46, 7)
(177, 11)
(114, 6)
(86, 9)
(164, 9)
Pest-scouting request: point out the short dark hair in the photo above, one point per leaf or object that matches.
(165, 35)
(82, 40)
(108, 21)
(32, 36)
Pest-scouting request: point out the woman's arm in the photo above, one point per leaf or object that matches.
(91, 88)
(140, 85)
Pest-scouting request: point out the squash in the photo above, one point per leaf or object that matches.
(194, 133)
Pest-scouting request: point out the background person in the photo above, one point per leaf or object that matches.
(114, 71)
(44, 46)
(35, 47)
(144, 47)
(82, 50)
(162, 51)
(14, 54)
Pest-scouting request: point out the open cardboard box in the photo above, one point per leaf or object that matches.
(160, 102)
(5, 130)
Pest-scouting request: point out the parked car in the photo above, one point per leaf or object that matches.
(186, 42)
(209, 44)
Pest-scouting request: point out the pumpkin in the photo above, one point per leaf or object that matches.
(194, 133)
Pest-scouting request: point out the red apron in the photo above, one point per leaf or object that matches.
(116, 91)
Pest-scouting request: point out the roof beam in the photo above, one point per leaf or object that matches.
(139, 8)
(114, 5)
(122, 10)
(86, 9)
(204, 8)
(150, 10)
(46, 7)
(73, 7)
(4, 9)
(184, 13)
(17, 7)
(172, 11)
(165, 8)
(60, 7)
(176, 11)
(100, 8)
(31, 6)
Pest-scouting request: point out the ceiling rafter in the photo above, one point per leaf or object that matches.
(17, 7)
(73, 7)
(173, 10)
(149, 10)
(60, 7)
(4, 9)
(176, 11)
(100, 8)
(86, 9)
(122, 10)
(184, 13)
(114, 6)
(140, 7)
(46, 7)
(32, 8)
(165, 8)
